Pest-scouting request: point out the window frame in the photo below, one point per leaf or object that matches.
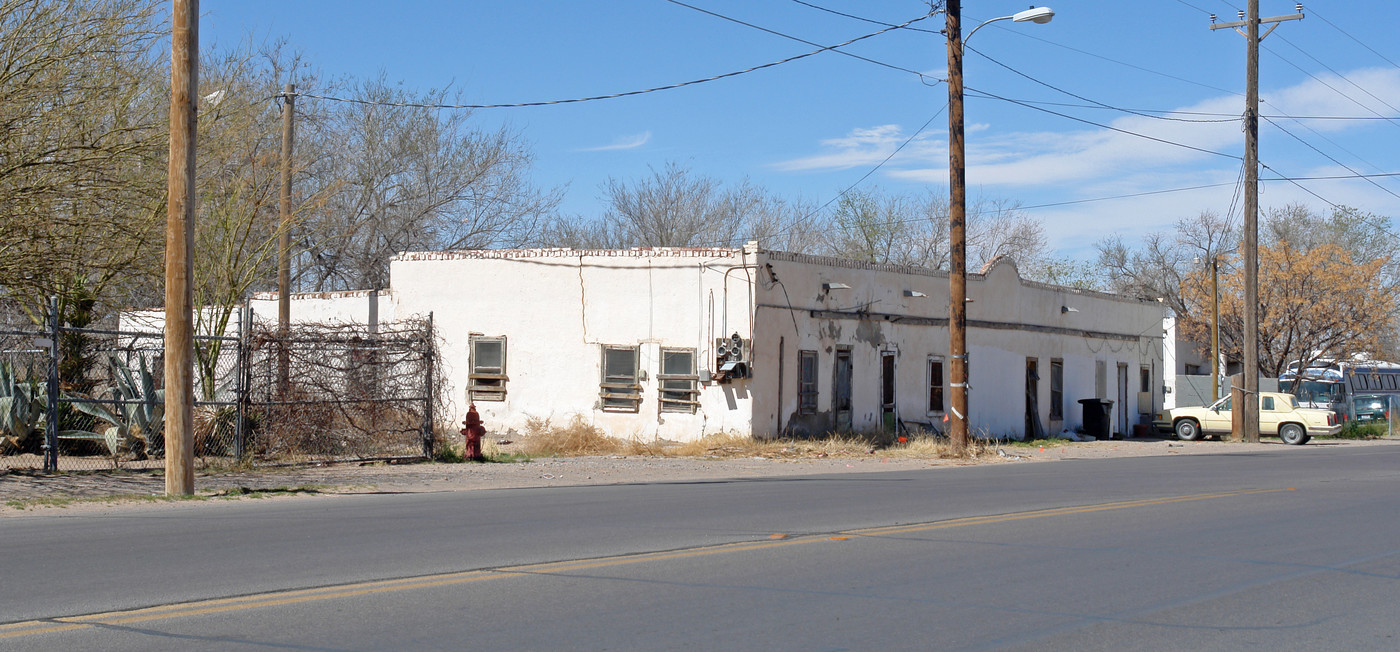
(940, 387)
(691, 389)
(1057, 389)
(808, 386)
(615, 394)
(486, 383)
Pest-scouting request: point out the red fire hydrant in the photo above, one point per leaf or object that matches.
(473, 432)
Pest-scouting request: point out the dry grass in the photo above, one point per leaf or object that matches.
(580, 438)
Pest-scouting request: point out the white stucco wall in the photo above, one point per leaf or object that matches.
(558, 309)
(1009, 320)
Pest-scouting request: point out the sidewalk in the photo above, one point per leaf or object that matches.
(24, 488)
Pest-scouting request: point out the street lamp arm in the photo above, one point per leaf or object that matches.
(1038, 15)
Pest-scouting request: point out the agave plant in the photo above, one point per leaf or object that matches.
(22, 407)
(137, 412)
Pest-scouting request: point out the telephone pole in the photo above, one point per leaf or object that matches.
(1250, 408)
(179, 251)
(284, 242)
(957, 233)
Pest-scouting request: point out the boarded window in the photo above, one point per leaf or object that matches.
(619, 389)
(487, 380)
(1057, 389)
(807, 382)
(935, 384)
(679, 386)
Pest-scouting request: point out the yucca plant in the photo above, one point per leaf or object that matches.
(138, 420)
(22, 407)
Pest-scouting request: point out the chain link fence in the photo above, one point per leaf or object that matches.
(318, 392)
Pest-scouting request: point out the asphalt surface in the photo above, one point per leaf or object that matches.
(1280, 548)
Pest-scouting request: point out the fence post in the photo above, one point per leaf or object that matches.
(245, 315)
(51, 432)
(431, 346)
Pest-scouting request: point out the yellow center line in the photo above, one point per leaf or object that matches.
(281, 598)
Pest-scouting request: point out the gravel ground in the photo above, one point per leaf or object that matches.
(24, 492)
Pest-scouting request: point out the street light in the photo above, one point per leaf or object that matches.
(957, 213)
(1037, 15)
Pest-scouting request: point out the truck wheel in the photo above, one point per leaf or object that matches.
(1293, 434)
(1188, 430)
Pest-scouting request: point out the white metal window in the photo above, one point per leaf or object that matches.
(619, 389)
(935, 384)
(807, 382)
(679, 387)
(487, 380)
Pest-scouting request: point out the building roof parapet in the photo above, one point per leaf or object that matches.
(568, 252)
(335, 294)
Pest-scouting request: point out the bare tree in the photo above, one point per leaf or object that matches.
(913, 230)
(402, 177)
(675, 207)
(1156, 269)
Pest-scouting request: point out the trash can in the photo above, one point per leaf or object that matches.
(1096, 417)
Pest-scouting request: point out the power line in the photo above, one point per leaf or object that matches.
(760, 28)
(1299, 185)
(1344, 77)
(1329, 86)
(1324, 154)
(1104, 126)
(1095, 102)
(1358, 41)
(805, 218)
(862, 19)
(819, 50)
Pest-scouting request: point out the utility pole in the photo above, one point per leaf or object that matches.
(284, 242)
(1250, 423)
(179, 251)
(1215, 328)
(957, 233)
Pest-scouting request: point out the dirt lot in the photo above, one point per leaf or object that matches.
(27, 492)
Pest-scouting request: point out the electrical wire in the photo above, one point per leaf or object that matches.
(760, 28)
(1328, 157)
(1313, 12)
(1095, 102)
(1104, 126)
(802, 221)
(864, 20)
(516, 105)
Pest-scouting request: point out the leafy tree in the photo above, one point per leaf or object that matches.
(1313, 303)
(82, 151)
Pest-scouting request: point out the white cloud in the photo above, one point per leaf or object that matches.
(628, 142)
(1086, 154)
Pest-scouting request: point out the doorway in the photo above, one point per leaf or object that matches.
(1122, 406)
(889, 416)
(841, 390)
(1034, 429)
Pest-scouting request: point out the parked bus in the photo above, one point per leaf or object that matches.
(1338, 385)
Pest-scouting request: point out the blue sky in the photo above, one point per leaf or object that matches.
(815, 126)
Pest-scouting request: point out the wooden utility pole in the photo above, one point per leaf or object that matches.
(1249, 426)
(957, 233)
(179, 251)
(284, 241)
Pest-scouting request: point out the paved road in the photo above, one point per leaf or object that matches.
(1288, 548)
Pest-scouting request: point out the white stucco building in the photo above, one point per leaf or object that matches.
(680, 343)
(642, 342)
